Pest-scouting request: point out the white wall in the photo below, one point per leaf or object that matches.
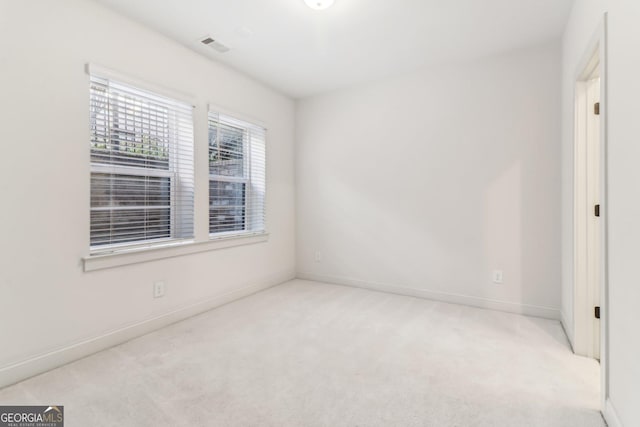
(46, 301)
(623, 211)
(425, 183)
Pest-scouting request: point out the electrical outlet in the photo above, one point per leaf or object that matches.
(497, 276)
(158, 289)
(318, 256)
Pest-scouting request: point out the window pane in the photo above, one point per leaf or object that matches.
(129, 190)
(226, 206)
(226, 150)
(130, 225)
(128, 130)
(126, 208)
(236, 174)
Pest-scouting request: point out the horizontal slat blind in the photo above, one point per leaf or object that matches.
(141, 166)
(236, 176)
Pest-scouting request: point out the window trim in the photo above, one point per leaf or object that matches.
(109, 74)
(172, 249)
(215, 108)
(169, 248)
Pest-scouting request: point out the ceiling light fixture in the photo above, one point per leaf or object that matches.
(319, 4)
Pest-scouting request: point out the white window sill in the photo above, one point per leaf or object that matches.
(170, 250)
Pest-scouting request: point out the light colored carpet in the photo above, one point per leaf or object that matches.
(309, 354)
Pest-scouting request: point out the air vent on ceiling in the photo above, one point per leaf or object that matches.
(214, 44)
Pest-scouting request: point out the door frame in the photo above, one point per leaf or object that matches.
(595, 56)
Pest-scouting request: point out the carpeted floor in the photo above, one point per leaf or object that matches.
(310, 354)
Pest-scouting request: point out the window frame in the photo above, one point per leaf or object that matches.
(170, 248)
(175, 208)
(243, 123)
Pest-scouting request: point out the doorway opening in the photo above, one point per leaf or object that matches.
(589, 209)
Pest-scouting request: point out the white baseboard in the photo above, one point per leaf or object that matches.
(611, 416)
(22, 370)
(511, 307)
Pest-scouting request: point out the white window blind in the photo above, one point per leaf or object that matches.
(236, 176)
(141, 167)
